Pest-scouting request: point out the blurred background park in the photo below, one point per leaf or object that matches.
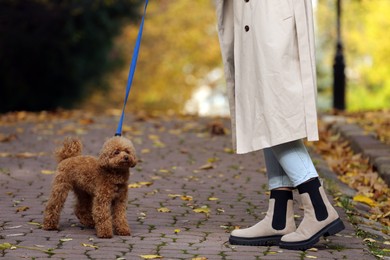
(76, 54)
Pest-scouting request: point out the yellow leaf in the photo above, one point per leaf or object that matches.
(174, 195)
(139, 184)
(24, 208)
(202, 210)
(5, 246)
(206, 166)
(211, 160)
(154, 137)
(89, 245)
(145, 183)
(134, 185)
(143, 151)
(364, 199)
(163, 210)
(311, 256)
(186, 198)
(228, 150)
(369, 240)
(34, 223)
(212, 199)
(48, 172)
(150, 256)
(199, 258)
(28, 155)
(177, 231)
(66, 239)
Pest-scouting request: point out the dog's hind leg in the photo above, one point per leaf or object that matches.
(55, 203)
(83, 208)
(119, 213)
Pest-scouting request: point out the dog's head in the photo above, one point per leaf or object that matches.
(117, 153)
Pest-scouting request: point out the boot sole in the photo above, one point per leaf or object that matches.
(331, 229)
(255, 241)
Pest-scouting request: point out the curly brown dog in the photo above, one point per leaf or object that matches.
(100, 185)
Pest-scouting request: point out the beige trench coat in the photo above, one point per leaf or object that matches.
(268, 54)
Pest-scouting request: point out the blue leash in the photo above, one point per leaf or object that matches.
(132, 70)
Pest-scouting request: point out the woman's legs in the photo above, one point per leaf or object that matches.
(320, 218)
(277, 177)
(279, 219)
(290, 165)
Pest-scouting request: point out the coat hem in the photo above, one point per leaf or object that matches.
(260, 146)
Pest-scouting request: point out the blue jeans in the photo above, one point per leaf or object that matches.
(288, 165)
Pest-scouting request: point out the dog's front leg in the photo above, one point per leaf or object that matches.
(119, 213)
(101, 211)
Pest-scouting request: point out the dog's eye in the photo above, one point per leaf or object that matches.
(127, 151)
(117, 152)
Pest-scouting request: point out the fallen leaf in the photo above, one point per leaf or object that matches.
(206, 166)
(228, 150)
(7, 138)
(311, 256)
(139, 184)
(177, 231)
(28, 155)
(34, 223)
(219, 210)
(89, 245)
(48, 172)
(203, 209)
(199, 258)
(164, 210)
(5, 246)
(364, 199)
(134, 185)
(186, 198)
(86, 121)
(66, 239)
(212, 199)
(150, 256)
(369, 240)
(174, 195)
(24, 208)
(5, 155)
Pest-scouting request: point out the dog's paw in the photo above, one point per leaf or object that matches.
(49, 227)
(123, 232)
(105, 233)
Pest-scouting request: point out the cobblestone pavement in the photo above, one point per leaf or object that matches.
(185, 195)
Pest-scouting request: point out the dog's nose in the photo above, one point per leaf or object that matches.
(126, 158)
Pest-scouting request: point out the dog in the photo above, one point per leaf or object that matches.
(100, 186)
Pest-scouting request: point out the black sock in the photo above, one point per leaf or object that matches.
(312, 188)
(280, 208)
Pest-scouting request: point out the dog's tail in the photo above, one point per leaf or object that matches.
(70, 148)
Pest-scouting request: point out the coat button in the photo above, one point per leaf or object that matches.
(246, 28)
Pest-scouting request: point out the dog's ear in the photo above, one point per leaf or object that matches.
(104, 159)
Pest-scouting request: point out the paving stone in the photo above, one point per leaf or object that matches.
(238, 182)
